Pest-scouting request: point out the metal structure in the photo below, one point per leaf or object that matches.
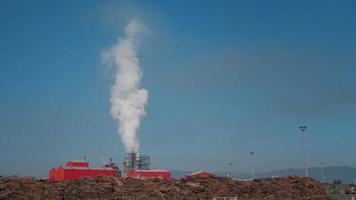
(252, 168)
(114, 166)
(135, 161)
(303, 129)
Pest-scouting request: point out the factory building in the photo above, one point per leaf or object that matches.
(134, 166)
(76, 169)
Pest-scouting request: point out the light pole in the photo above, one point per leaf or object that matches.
(252, 169)
(322, 172)
(230, 170)
(303, 129)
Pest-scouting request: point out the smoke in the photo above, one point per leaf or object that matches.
(127, 99)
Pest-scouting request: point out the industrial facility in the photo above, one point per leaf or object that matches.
(135, 161)
(76, 169)
(134, 165)
(138, 166)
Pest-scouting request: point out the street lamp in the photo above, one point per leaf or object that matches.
(323, 171)
(230, 170)
(303, 129)
(252, 169)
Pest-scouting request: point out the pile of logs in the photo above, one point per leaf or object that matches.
(292, 187)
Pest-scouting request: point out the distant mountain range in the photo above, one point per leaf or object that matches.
(343, 173)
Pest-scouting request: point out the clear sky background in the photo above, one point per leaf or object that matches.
(224, 78)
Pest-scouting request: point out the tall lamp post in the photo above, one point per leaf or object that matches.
(323, 172)
(303, 129)
(252, 169)
(230, 170)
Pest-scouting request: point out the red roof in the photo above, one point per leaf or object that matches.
(143, 174)
(77, 163)
(200, 174)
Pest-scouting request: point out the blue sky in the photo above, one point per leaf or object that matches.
(224, 78)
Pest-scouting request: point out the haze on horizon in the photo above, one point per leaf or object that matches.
(224, 79)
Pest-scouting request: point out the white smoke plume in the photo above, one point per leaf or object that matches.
(128, 100)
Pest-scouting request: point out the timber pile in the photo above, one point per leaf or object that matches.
(292, 187)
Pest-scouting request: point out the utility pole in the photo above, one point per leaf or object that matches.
(303, 129)
(252, 167)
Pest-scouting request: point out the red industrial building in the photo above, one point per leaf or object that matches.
(146, 174)
(138, 167)
(199, 174)
(76, 169)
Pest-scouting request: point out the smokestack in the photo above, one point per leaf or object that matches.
(128, 100)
